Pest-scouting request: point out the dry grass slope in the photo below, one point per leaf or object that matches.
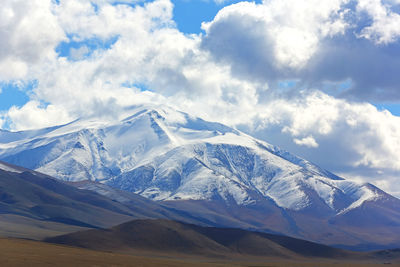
(18, 252)
(163, 237)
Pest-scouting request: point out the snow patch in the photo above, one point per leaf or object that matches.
(8, 168)
(364, 194)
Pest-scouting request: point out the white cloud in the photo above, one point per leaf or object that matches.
(33, 115)
(369, 138)
(79, 53)
(221, 1)
(317, 43)
(308, 141)
(385, 26)
(28, 32)
(83, 20)
(226, 75)
(289, 32)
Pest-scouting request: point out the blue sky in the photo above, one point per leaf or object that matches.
(11, 95)
(394, 108)
(189, 15)
(312, 77)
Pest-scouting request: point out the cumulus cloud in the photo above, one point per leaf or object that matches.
(369, 137)
(35, 115)
(369, 70)
(28, 32)
(318, 43)
(230, 74)
(306, 141)
(86, 19)
(385, 23)
(279, 36)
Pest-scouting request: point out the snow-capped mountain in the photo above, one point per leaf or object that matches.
(181, 158)
(170, 156)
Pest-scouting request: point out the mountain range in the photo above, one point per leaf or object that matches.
(209, 174)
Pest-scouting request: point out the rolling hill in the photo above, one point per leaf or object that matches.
(175, 238)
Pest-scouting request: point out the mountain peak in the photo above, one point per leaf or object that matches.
(166, 155)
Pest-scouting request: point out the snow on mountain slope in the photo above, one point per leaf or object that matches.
(164, 154)
(8, 168)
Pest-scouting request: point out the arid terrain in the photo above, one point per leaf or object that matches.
(19, 252)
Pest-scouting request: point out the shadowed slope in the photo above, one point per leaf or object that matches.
(34, 205)
(170, 236)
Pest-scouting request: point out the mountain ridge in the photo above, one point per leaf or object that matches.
(169, 156)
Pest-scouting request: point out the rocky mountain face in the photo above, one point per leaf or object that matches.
(219, 175)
